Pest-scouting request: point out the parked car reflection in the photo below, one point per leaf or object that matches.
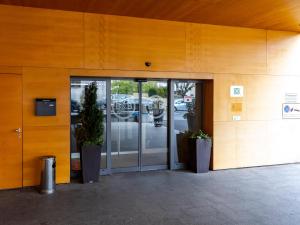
(180, 105)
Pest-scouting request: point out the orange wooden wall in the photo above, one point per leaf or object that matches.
(48, 46)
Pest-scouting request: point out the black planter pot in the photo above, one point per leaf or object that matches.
(200, 150)
(191, 120)
(183, 152)
(90, 163)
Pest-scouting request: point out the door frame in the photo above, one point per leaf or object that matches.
(171, 136)
(19, 133)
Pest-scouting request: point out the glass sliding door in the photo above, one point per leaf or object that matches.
(77, 95)
(124, 124)
(154, 132)
(139, 128)
(135, 123)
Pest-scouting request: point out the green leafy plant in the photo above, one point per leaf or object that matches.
(152, 91)
(199, 135)
(91, 119)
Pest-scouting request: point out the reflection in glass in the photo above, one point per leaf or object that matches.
(187, 114)
(154, 123)
(124, 123)
(77, 93)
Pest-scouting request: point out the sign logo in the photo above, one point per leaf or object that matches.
(291, 111)
(236, 91)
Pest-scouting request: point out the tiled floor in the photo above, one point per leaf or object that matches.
(265, 195)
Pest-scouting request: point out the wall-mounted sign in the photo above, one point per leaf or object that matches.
(237, 107)
(291, 97)
(291, 111)
(45, 107)
(236, 117)
(236, 91)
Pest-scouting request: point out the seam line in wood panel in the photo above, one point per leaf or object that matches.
(22, 132)
(83, 39)
(241, 121)
(163, 71)
(46, 126)
(267, 64)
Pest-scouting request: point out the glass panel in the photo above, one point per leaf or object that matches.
(154, 123)
(124, 123)
(187, 114)
(77, 96)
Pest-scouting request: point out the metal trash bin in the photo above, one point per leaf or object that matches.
(48, 170)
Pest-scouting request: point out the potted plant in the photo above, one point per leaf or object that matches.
(200, 152)
(89, 135)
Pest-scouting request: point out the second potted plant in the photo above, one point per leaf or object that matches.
(89, 135)
(200, 152)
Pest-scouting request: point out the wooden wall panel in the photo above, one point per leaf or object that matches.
(46, 140)
(283, 141)
(226, 49)
(224, 154)
(283, 53)
(93, 41)
(255, 143)
(222, 101)
(251, 143)
(46, 83)
(35, 37)
(130, 42)
(263, 96)
(46, 135)
(262, 137)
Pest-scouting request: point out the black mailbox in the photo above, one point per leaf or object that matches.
(45, 107)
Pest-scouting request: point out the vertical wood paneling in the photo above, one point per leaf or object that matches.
(283, 53)
(223, 102)
(130, 42)
(221, 49)
(93, 41)
(224, 145)
(35, 37)
(48, 134)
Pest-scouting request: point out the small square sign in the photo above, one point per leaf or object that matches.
(236, 91)
(187, 98)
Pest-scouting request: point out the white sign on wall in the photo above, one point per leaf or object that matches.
(236, 91)
(291, 111)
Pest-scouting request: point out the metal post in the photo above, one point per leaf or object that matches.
(108, 125)
(171, 133)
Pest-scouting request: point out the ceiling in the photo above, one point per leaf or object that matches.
(266, 14)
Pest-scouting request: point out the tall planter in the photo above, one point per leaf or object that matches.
(90, 163)
(191, 121)
(89, 135)
(182, 147)
(200, 153)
